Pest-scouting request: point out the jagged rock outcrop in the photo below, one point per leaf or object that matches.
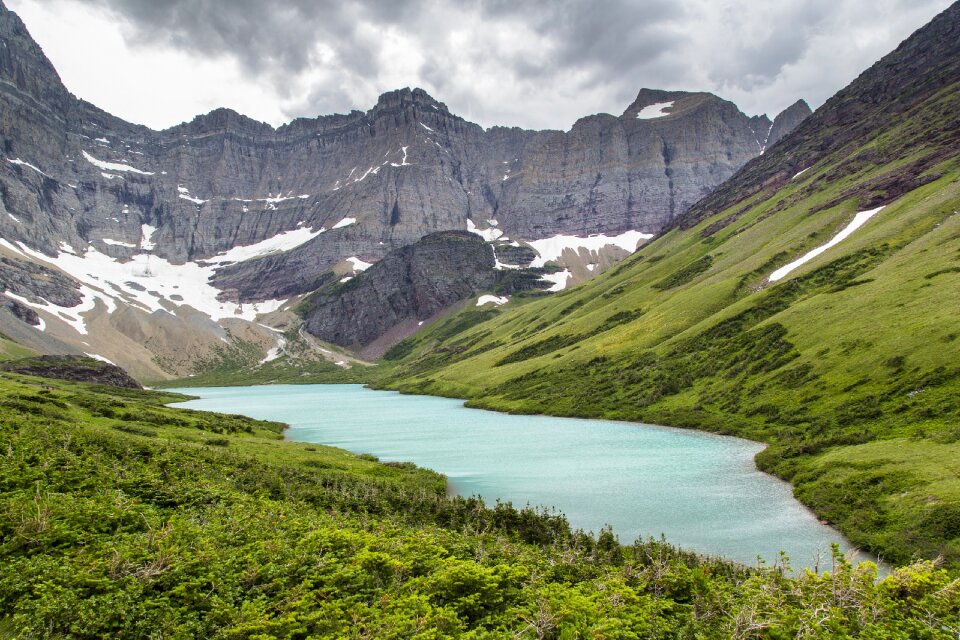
(76, 368)
(20, 311)
(36, 282)
(412, 283)
(786, 121)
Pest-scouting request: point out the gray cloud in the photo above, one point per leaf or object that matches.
(538, 63)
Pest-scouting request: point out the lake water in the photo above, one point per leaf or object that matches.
(700, 490)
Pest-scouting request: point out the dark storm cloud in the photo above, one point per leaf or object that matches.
(520, 52)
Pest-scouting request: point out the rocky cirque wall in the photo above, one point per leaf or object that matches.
(231, 217)
(407, 167)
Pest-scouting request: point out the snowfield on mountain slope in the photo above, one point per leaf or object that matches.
(858, 221)
(154, 284)
(552, 248)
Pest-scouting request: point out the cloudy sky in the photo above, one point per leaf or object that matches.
(529, 63)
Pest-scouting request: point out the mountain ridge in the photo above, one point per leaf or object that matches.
(235, 219)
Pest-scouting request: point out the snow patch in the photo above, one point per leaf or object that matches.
(20, 162)
(559, 279)
(425, 127)
(858, 221)
(118, 243)
(497, 300)
(146, 232)
(113, 166)
(97, 356)
(358, 264)
(346, 222)
(800, 173)
(146, 282)
(281, 242)
(276, 351)
(402, 163)
(489, 235)
(552, 248)
(657, 110)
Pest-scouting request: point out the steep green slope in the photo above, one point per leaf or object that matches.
(849, 367)
(120, 517)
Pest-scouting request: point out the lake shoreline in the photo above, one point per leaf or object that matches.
(612, 434)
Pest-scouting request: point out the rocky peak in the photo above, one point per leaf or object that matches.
(221, 120)
(402, 99)
(786, 121)
(23, 63)
(673, 103)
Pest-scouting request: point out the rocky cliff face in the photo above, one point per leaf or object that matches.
(412, 283)
(786, 121)
(232, 217)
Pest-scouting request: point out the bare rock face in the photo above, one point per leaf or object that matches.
(76, 368)
(36, 282)
(787, 120)
(412, 283)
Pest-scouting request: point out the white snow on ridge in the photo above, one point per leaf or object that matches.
(489, 235)
(97, 356)
(147, 282)
(346, 222)
(800, 173)
(22, 163)
(119, 243)
(358, 264)
(113, 166)
(857, 222)
(425, 127)
(281, 242)
(552, 248)
(657, 110)
(559, 279)
(487, 299)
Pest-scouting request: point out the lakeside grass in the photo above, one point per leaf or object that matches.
(123, 517)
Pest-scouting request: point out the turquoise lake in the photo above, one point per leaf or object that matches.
(702, 491)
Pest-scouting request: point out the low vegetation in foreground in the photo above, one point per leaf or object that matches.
(121, 517)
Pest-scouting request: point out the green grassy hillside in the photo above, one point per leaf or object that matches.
(120, 517)
(849, 367)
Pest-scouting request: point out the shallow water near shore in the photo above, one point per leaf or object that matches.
(702, 491)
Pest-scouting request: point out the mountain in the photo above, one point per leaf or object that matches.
(191, 234)
(809, 302)
(786, 121)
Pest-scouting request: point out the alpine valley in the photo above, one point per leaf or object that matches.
(794, 282)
